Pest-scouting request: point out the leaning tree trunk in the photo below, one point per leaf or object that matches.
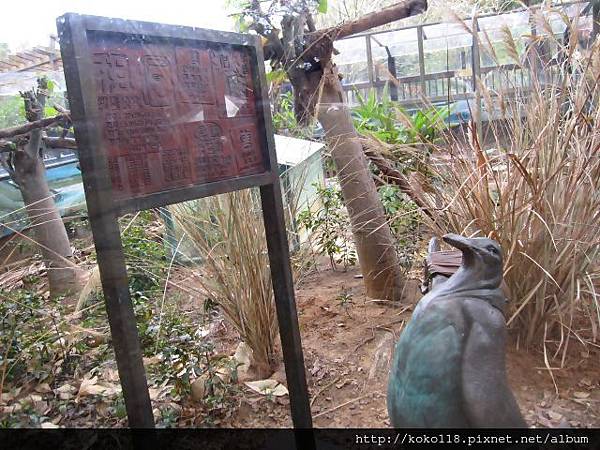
(306, 57)
(28, 172)
(372, 235)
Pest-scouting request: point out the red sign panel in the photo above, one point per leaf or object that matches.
(175, 115)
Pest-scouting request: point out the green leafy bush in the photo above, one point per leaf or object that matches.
(388, 122)
(145, 255)
(330, 225)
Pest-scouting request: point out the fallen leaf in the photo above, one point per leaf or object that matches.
(316, 367)
(12, 409)
(43, 388)
(49, 425)
(155, 393)
(65, 392)
(585, 382)
(148, 361)
(65, 388)
(579, 394)
(198, 388)
(111, 390)
(89, 386)
(242, 356)
(267, 387)
(112, 374)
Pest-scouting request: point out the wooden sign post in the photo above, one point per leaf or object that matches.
(165, 114)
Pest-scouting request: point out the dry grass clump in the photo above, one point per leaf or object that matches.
(227, 230)
(536, 189)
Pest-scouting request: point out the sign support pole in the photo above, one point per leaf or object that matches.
(121, 319)
(285, 303)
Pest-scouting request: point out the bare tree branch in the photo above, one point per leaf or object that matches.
(58, 142)
(394, 176)
(36, 124)
(49, 142)
(375, 19)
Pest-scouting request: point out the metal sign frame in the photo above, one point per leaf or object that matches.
(104, 210)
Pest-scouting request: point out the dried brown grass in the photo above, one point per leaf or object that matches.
(228, 232)
(536, 189)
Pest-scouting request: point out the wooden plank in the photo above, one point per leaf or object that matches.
(595, 19)
(562, 5)
(476, 75)
(281, 271)
(420, 38)
(369, 60)
(170, 197)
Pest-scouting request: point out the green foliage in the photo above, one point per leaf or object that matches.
(284, 120)
(276, 76)
(12, 108)
(425, 126)
(12, 111)
(146, 260)
(345, 299)
(330, 225)
(388, 122)
(219, 375)
(402, 214)
(25, 347)
(376, 118)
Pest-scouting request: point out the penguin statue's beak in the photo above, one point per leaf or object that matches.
(458, 241)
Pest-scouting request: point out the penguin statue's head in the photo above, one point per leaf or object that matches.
(482, 257)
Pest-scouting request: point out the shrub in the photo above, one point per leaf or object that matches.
(330, 226)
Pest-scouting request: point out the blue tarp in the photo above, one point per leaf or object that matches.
(64, 180)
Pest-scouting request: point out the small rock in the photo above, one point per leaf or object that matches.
(198, 388)
(352, 406)
(564, 423)
(554, 415)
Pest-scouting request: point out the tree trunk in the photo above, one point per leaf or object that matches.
(372, 235)
(50, 233)
(26, 168)
(307, 61)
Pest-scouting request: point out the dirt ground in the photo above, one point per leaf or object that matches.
(348, 343)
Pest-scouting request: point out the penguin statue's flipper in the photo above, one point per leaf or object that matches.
(488, 400)
(425, 395)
